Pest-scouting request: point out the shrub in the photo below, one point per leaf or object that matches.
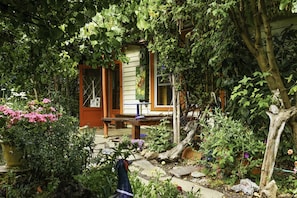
(159, 137)
(249, 102)
(158, 189)
(100, 177)
(231, 149)
(53, 156)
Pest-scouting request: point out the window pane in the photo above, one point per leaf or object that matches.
(164, 95)
(116, 87)
(92, 87)
(164, 90)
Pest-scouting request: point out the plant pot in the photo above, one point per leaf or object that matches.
(11, 155)
(191, 154)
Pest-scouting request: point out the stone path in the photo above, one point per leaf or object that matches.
(148, 170)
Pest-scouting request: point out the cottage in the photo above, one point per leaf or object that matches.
(131, 89)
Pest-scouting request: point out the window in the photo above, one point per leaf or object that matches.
(161, 92)
(92, 87)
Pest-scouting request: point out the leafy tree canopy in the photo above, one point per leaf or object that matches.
(51, 19)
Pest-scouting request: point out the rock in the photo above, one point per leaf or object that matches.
(203, 181)
(143, 164)
(151, 155)
(133, 169)
(197, 174)
(143, 152)
(246, 186)
(134, 157)
(179, 172)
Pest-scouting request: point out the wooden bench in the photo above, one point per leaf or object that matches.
(120, 123)
(136, 123)
(146, 121)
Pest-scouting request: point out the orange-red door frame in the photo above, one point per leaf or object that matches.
(107, 95)
(90, 116)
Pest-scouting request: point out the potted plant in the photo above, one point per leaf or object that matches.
(21, 119)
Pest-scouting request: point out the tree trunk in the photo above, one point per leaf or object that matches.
(278, 119)
(261, 46)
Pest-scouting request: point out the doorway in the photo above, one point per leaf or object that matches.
(90, 96)
(115, 90)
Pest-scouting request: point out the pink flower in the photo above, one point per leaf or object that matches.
(31, 117)
(35, 113)
(39, 109)
(46, 100)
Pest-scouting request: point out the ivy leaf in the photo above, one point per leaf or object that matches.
(245, 80)
(293, 90)
(283, 4)
(142, 24)
(289, 79)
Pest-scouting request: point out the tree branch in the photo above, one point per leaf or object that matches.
(238, 19)
(256, 18)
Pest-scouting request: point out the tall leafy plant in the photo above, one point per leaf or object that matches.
(249, 102)
(231, 150)
(159, 138)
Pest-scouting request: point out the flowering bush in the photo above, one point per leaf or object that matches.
(54, 149)
(19, 118)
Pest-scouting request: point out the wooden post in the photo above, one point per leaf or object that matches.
(135, 132)
(105, 101)
(176, 112)
(178, 116)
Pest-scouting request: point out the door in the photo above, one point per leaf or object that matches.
(115, 90)
(90, 95)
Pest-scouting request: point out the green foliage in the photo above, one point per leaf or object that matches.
(186, 33)
(286, 183)
(158, 189)
(231, 150)
(101, 181)
(288, 5)
(42, 45)
(51, 20)
(27, 68)
(61, 151)
(159, 137)
(52, 158)
(100, 177)
(249, 102)
(285, 48)
(13, 186)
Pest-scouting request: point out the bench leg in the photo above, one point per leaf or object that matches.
(105, 129)
(135, 132)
